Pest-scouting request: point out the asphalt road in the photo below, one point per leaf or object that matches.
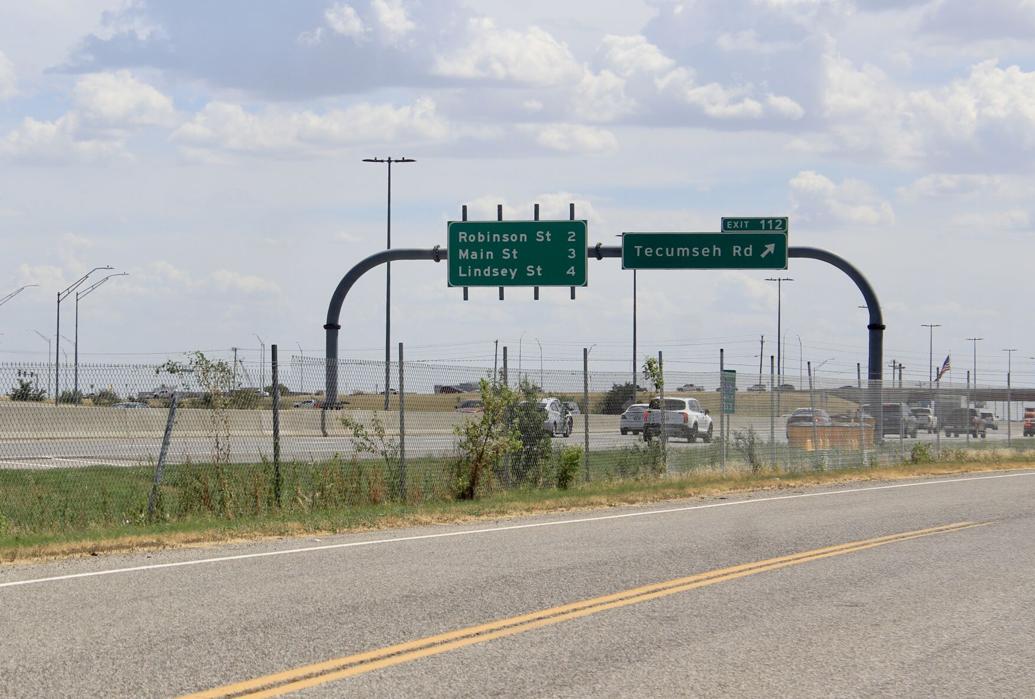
(65, 453)
(916, 613)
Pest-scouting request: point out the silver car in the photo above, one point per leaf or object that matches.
(633, 418)
(557, 420)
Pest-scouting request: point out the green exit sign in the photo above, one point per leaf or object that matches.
(517, 253)
(704, 250)
(733, 224)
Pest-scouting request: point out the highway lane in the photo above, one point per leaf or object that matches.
(945, 614)
(249, 449)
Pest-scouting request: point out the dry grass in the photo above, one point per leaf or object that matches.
(504, 506)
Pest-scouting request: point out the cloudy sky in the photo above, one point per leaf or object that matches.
(213, 151)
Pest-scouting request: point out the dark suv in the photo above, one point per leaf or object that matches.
(963, 420)
(897, 419)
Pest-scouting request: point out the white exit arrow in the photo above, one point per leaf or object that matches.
(769, 250)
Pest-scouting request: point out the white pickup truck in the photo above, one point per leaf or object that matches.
(682, 417)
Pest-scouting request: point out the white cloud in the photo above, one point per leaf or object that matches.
(712, 100)
(1009, 219)
(601, 97)
(628, 55)
(8, 81)
(47, 276)
(574, 138)
(230, 127)
(948, 186)
(56, 141)
(533, 57)
(748, 41)
(118, 99)
(228, 280)
(343, 19)
(818, 199)
(393, 19)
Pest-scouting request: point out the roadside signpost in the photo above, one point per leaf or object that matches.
(728, 384)
(738, 224)
(762, 250)
(517, 253)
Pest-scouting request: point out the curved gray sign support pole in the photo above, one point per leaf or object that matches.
(875, 327)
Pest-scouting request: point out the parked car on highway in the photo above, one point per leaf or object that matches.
(556, 418)
(962, 421)
(130, 405)
(470, 407)
(572, 407)
(688, 387)
(308, 403)
(757, 388)
(1029, 422)
(808, 417)
(786, 387)
(679, 417)
(896, 419)
(925, 419)
(989, 417)
(633, 419)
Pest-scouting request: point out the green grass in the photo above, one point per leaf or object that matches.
(62, 511)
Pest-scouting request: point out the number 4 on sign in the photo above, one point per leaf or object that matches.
(570, 272)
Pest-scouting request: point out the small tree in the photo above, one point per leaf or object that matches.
(483, 443)
(616, 399)
(652, 374)
(105, 397)
(527, 466)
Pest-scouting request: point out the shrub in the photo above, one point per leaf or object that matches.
(921, 453)
(747, 443)
(26, 391)
(105, 397)
(483, 443)
(527, 465)
(617, 397)
(72, 397)
(570, 463)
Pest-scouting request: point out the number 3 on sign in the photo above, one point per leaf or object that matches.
(571, 253)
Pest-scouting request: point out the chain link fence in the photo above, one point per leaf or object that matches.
(125, 445)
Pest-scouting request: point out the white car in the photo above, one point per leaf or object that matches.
(633, 419)
(679, 417)
(556, 419)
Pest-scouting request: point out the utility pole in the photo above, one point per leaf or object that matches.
(388, 272)
(930, 352)
(1009, 366)
(235, 367)
(761, 352)
(301, 366)
(61, 296)
(542, 383)
(779, 311)
(262, 364)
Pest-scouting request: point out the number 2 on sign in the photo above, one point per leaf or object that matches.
(571, 236)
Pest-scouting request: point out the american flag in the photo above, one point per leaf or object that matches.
(945, 368)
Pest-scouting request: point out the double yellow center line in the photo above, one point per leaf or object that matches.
(351, 665)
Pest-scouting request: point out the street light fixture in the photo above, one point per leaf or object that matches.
(388, 271)
(47, 340)
(14, 293)
(78, 296)
(61, 296)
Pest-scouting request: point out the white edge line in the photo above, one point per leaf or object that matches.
(493, 530)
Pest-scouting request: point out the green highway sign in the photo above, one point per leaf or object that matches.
(517, 253)
(735, 224)
(704, 250)
(728, 384)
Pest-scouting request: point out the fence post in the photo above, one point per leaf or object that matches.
(505, 382)
(506, 459)
(275, 371)
(585, 402)
(402, 429)
(772, 410)
(152, 499)
(664, 427)
(722, 411)
(812, 407)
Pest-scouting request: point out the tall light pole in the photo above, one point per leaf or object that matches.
(1009, 366)
(14, 293)
(262, 364)
(975, 341)
(388, 271)
(541, 382)
(61, 296)
(930, 352)
(635, 364)
(79, 295)
(301, 367)
(779, 311)
(47, 340)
